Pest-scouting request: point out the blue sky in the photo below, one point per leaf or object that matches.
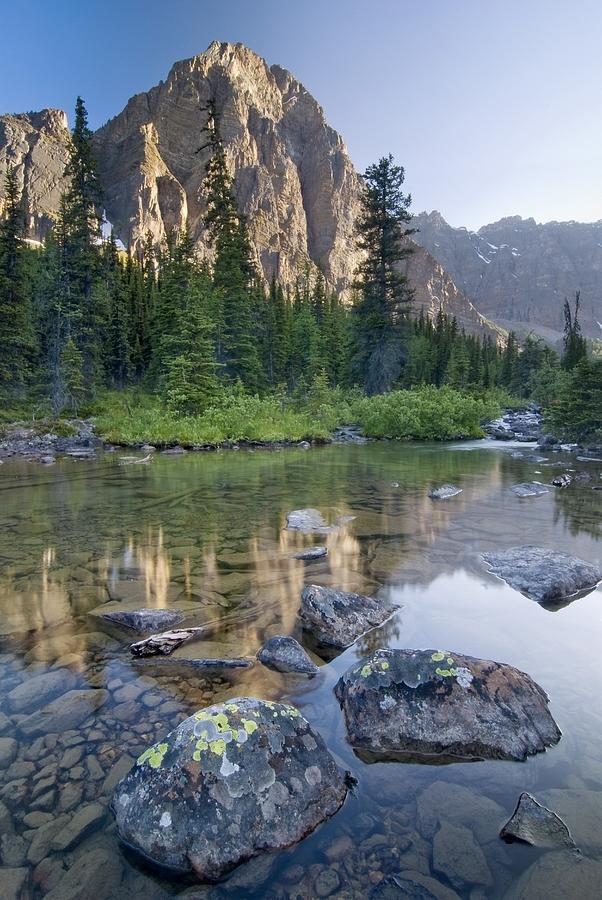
(493, 108)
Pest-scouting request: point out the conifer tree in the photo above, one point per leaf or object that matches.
(71, 377)
(574, 344)
(118, 348)
(78, 313)
(509, 362)
(234, 274)
(578, 412)
(384, 298)
(16, 332)
(190, 381)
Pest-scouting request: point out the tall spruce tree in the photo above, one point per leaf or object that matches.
(234, 275)
(16, 331)
(384, 295)
(77, 311)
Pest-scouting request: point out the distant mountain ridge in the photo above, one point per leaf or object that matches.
(518, 272)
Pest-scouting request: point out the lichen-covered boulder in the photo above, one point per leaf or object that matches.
(436, 702)
(337, 618)
(229, 782)
(548, 576)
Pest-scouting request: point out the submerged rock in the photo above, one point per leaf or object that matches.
(285, 654)
(64, 713)
(40, 689)
(444, 801)
(537, 825)
(144, 620)
(436, 702)
(96, 874)
(414, 886)
(8, 751)
(312, 553)
(445, 492)
(231, 781)
(338, 618)
(458, 857)
(530, 489)
(562, 875)
(547, 576)
(308, 520)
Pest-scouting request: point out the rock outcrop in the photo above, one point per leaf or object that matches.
(435, 702)
(518, 272)
(37, 144)
(231, 781)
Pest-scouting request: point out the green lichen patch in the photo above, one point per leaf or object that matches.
(153, 756)
(445, 673)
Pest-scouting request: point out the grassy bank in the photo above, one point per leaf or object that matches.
(422, 414)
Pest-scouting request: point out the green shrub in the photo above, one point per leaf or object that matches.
(425, 414)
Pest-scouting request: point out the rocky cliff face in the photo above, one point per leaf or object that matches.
(293, 177)
(519, 272)
(37, 144)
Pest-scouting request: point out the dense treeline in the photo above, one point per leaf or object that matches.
(81, 316)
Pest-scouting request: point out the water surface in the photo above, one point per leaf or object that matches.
(206, 533)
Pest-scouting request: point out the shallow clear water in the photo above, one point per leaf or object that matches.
(205, 533)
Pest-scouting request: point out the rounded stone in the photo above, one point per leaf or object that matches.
(231, 781)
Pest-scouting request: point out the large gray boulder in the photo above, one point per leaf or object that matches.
(229, 782)
(64, 713)
(436, 702)
(284, 654)
(548, 576)
(337, 618)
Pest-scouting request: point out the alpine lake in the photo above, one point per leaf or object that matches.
(206, 533)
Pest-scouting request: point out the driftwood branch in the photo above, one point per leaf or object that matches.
(165, 643)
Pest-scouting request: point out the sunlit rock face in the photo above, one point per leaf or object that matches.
(444, 704)
(231, 781)
(293, 178)
(37, 144)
